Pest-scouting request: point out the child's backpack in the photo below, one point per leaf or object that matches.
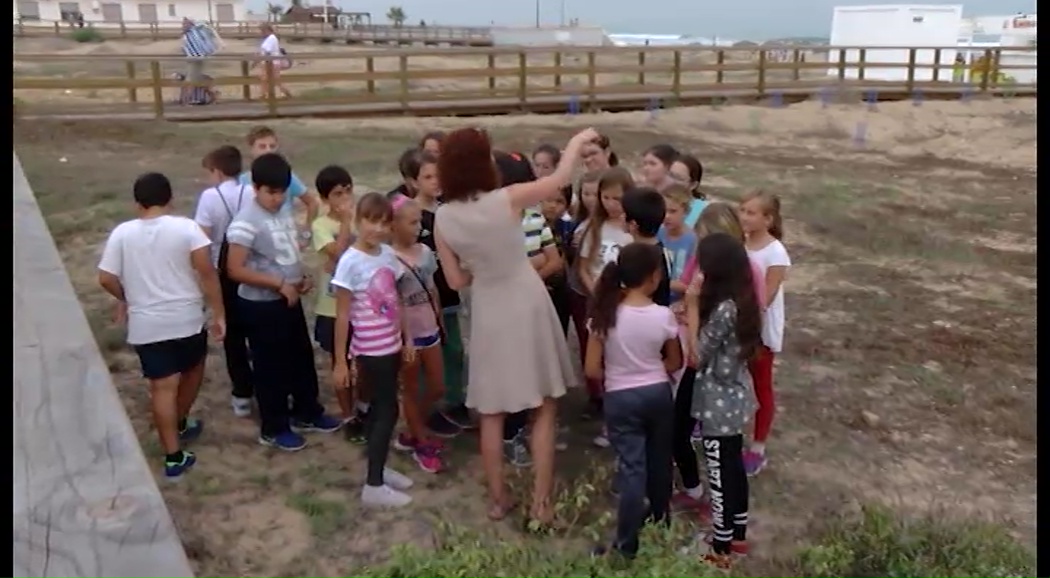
(224, 247)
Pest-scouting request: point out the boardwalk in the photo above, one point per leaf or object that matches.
(85, 503)
(465, 82)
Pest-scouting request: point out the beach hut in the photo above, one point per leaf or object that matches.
(897, 27)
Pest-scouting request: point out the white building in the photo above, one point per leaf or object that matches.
(131, 12)
(899, 28)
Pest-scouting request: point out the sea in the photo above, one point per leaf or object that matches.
(667, 40)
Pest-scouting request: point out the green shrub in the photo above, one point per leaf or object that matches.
(86, 35)
(880, 543)
(463, 553)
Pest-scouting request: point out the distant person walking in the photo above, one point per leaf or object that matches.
(271, 48)
(198, 43)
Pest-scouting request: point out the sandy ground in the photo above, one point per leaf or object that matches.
(442, 72)
(908, 377)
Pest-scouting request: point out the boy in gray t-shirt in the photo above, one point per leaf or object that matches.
(264, 258)
(271, 239)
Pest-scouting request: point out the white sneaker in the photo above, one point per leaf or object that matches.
(384, 496)
(396, 480)
(602, 439)
(242, 406)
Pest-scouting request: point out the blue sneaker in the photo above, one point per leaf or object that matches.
(288, 441)
(321, 424)
(173, 470)
(193, 430)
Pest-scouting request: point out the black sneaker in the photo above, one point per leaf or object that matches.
(354, 431)
(442, 427)
(460, 416)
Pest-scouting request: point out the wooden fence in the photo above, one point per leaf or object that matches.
(378, 34)
(85, 503)
(499, 81)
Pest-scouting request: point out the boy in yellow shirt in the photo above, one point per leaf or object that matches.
(331, 235)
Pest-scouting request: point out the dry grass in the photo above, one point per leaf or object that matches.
(908, 378)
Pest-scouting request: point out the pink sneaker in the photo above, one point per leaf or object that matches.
(686, 504)
(428, 459)
(405, 443)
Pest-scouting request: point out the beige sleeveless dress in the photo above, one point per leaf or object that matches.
(517, 352)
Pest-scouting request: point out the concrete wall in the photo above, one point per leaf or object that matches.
(85, 502)
(549, 36)
(168, 11)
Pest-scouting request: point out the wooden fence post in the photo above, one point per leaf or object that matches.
(592, 79)
(796, 72)
(158, 90)
(246, 88)
(936, 64)
(720, 60)
(861, 59)
(403, 69)
(762, 72)
(523, 79)
(641, 67)
(271, 89)
(676, 79)
(557, 65)
(370, 67)
(492, 71)
(842, 64)
(133, 93)
(910, 86)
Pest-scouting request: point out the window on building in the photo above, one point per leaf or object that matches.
(171, 10)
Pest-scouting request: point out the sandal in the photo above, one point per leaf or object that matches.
(498, 510)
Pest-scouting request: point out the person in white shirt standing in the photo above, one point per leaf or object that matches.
(763, 226)
(159, 269)
(216, 208)
(271, 49)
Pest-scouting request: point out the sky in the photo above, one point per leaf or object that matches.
(735, 19)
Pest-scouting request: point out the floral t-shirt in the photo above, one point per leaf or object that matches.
(418, 311)
(374, 309)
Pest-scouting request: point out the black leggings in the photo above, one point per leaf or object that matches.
(235, 345)
(729, 490)
(682, 440)
(381, 373)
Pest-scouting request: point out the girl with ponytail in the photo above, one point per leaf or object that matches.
(633, 346)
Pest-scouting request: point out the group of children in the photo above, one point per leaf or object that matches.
(677, 302)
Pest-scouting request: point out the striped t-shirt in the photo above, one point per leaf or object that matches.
(198, 42)
(538, 235)
(374, 308)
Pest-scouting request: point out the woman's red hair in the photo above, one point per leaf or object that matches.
(465, 167)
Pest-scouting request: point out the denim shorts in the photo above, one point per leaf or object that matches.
(173, 356)
(427, 341)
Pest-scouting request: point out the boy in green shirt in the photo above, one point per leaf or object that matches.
(331, 235)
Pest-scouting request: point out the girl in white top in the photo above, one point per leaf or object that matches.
(271, 47)
(763, 226)
(601, 239)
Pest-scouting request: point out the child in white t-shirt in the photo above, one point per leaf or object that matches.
(763, 226)
(216, 208)
(365, 282)
(160, 270)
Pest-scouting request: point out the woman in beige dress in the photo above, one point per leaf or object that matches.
(518, 357)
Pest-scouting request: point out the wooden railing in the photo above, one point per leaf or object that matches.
(375, 33)
(475, 81)
(85, 503)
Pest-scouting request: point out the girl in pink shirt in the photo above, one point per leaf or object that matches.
(717, 217)
(633, 346)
